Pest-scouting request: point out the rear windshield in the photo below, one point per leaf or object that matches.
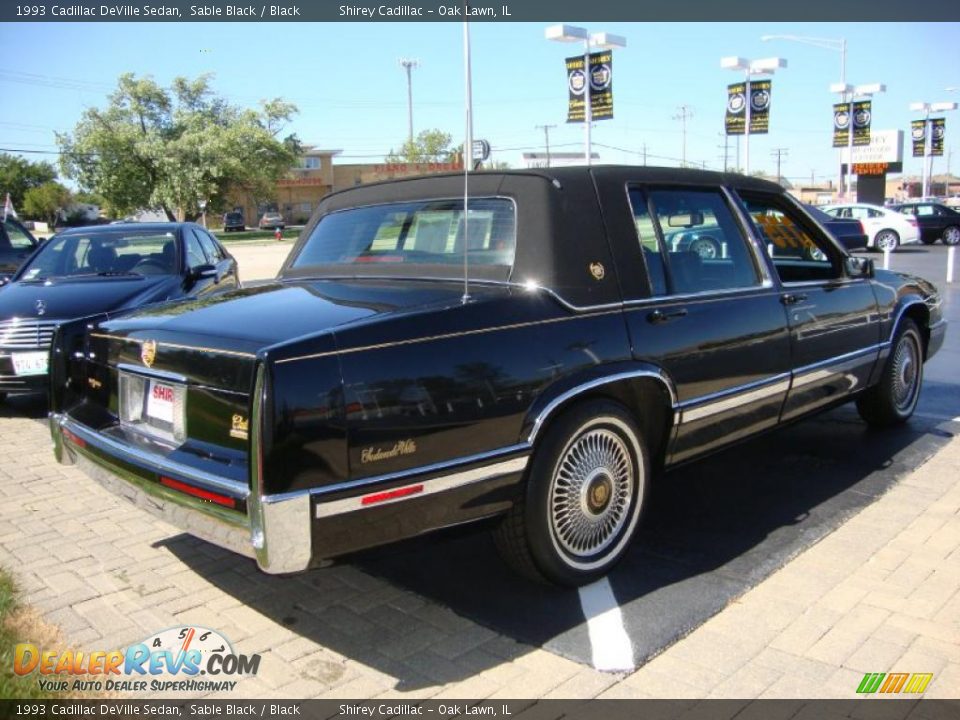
(421, 238)
(105, 253)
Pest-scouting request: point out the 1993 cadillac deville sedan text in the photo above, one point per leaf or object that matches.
(617, 321)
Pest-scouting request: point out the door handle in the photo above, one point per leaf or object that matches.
(793, 298)
(658, 316)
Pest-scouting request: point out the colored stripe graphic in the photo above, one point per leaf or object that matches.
(870, 682)
(894, 683)
(918, 682)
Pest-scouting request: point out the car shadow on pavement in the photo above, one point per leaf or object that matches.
(713, 530)
(24, 405)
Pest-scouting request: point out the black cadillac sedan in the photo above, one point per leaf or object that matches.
(101, 271)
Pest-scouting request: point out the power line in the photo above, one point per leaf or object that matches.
(685, 112)
(779, 154)
(546, 138)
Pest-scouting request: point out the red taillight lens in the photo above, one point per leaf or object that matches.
(198, 492)
(912, 220)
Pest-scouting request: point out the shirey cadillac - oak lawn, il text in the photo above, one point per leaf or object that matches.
(362, 398)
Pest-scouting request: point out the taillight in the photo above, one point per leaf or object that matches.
(912, 220)
(863, 230)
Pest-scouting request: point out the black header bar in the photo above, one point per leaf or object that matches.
(480, 11)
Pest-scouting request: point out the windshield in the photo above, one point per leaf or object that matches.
(421, 238)
(105, 253)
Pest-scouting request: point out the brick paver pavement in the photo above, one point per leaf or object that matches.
(882, 593)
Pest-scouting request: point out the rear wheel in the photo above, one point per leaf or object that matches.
(585, 489)
(951, 235)
(893, 400)
(887, 240)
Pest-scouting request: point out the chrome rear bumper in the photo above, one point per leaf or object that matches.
(280, 524)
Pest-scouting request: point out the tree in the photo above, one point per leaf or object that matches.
(428, 146)
(46, 202)
(18, 175)
(171, 147)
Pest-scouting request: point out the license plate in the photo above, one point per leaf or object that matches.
(160, 401)
(30, 363)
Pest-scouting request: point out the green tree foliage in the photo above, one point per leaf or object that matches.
(428, 146)
(171, 147)
(18, 175)
(46, 202)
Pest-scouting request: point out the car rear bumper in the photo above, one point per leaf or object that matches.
(273, 531)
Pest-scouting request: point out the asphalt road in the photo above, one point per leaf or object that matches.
(713, 530)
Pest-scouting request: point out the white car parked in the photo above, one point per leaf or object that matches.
(885, 228)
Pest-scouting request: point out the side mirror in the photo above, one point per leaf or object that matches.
(201, 271)
(858, 267)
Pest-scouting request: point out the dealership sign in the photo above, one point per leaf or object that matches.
(886, 146)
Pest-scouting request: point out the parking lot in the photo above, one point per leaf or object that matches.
(436, 617)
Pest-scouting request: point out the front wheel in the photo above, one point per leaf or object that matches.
(893, 400)
(887, 241)
(585, 489)
(951, 235)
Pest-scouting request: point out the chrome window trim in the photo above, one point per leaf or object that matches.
(158, 463)
(288, 263)
(753, 241)
(430, 487)
(597, 382)
(715, 403)
(699, 296)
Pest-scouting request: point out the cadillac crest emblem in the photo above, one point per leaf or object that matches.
(148, 352)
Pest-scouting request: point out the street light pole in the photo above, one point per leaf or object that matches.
(597, 41)
(766, 66)
(837, 45)
(409, 64)
(926, 109)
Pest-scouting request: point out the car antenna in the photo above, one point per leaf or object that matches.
(467, 156)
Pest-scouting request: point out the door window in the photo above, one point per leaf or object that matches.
(799, 252)
(19, 240)
(210, 247)
(691, 241)
(195, 254)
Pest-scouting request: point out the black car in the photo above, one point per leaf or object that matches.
(848, 232)
(16, 245)
(100, 270)
(371, 393)
(936, 221)
(233, 221)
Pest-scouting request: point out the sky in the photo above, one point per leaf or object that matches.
(352, 93)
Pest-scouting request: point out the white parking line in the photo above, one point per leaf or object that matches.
(610, 644)
(934, 416)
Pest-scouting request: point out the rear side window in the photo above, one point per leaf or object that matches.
(691, 242)
(430, 232)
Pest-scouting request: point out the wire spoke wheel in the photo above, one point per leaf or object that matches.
(592, 493)
(906, 372)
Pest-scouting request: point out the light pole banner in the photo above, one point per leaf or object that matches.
(918, 135)
(862, 113)
(760, 106)
(735, 119)
(601, 86)
(938, 126)
(841, 125)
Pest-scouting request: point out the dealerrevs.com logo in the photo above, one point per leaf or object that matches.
(182, 659)
(894, 683)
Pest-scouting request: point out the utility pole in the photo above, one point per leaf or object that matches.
(685, 113)
(409, 64)
(546, 138)
(644, 154)
(779, 153)
(726, 151)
